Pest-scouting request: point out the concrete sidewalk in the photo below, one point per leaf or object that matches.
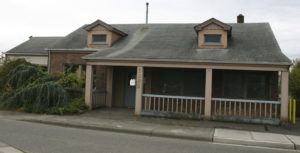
(218, 135)
(219, 132)
(4, 148)
(261, 139)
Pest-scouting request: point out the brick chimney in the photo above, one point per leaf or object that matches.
(240, 18)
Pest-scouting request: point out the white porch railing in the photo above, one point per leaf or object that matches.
(246, 108)
(173, 104)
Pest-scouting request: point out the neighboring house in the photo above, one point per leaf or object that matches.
(211, 70)
(33, 50)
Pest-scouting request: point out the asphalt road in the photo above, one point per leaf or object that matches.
(40, 138)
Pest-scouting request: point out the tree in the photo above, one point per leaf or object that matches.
(27, 87)
(294, 81)
(294, 84)
(31, 89)
(7, 67)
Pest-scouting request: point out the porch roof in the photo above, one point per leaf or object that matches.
(250, 43)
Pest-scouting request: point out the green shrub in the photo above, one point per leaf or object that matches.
(37, 98)
(23, 75)
(7, 67)
(69, 79)
(47, 78)
(77, 106)
(30, 89)
(75, 92)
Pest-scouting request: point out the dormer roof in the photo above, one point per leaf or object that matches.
(106, 26)
(201, 26)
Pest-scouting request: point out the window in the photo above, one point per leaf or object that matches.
(99, 39)
(171, 82)
(233, 84)
(257, 86)
(245, 85)
(212, 39)
(70, 68)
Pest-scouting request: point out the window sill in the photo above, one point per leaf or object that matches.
(99, 43)
(212, 44)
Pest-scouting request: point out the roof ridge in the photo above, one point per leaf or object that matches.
(47, 36)
(178, 23)
(105, 25)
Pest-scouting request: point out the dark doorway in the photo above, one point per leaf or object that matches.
(129, 100)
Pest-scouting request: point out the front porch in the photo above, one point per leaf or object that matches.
(202, 93)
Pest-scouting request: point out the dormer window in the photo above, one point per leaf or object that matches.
(99, 39)
(212, 39)
(101, 34)
(213, 34)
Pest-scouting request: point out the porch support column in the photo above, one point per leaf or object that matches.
(208, 90)
(79, 71)
(139, 90)
(109, 85)
(284, 96)
(79, 75)
(88, 86)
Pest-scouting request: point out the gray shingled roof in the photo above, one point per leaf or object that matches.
(35, 45)
(250, 43)
(74, 40)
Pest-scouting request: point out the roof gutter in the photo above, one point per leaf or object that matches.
(27, 54)
(62, 49)
(184, 61)
(191, 64)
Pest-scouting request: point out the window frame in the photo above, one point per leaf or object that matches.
(212, 43)
(99, 42)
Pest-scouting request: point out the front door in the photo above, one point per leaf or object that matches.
(129, 88)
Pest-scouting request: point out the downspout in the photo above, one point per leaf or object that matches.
(48, 62)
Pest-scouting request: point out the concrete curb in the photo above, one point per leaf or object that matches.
(92, 127)
(183, 133)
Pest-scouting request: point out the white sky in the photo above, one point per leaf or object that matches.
(20, 19)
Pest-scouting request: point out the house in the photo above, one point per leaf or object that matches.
(33, 50)
(212, 70)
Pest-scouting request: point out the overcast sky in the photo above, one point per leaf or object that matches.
(20, 19)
